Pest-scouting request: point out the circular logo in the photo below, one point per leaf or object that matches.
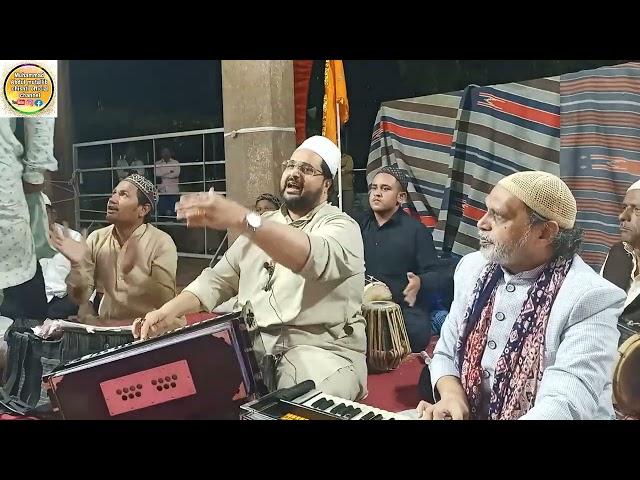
(28, 88)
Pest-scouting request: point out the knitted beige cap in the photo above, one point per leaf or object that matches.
(545, 194)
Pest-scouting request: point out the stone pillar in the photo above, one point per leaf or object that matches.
(256, 93)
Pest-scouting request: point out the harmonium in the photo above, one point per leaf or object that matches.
(304, 402)
(202, 371)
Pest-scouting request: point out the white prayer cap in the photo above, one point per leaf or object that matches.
(46, 199)
(327, 150)
(635, 186)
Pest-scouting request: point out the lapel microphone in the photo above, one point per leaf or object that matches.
(270, 267)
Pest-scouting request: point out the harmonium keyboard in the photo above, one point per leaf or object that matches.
(202, 371)
(304, 402)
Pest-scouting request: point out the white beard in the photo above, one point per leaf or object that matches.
(503, 253)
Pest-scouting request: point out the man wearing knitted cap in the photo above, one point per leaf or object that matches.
(531, 333)
(131, 264)
(621, 266)
(300, 267)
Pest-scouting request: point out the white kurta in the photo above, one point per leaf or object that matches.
(17, 249)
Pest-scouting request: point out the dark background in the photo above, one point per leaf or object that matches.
(125, 98)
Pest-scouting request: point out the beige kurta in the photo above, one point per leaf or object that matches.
(149, 285)
(314, 315)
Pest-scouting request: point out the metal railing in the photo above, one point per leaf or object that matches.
(152, 156)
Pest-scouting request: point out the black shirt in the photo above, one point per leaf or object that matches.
(401, 245)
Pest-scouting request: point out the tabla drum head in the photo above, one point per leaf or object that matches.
(376, 291)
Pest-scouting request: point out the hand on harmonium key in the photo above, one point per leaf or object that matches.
(446, 409)
(154, 324)
(136, 327)
(147, 327)
(211, 210)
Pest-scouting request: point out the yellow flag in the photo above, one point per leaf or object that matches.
(335, 99)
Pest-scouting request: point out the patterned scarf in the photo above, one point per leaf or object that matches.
(519, 368)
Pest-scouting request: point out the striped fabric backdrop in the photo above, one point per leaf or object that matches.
(417, 134)
(501, 130)
(600, 148)
(456, 146)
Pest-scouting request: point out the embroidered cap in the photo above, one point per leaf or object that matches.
(145, 186)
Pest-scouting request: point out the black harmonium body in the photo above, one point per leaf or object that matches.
(202, 371)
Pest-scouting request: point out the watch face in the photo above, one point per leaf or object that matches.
(254, 220)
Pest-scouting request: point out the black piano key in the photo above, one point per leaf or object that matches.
(348, 409)
(337, 408)
(357, 411)
(377, 417)
(317, 403)
(368, 416)
(350, 413)
(329, 404)
(343, 410)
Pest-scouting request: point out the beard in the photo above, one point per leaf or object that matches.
(502, 253)
(304, 200)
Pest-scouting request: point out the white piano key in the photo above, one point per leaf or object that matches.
(310, 398)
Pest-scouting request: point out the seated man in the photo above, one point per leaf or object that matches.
(532, 329)
(399, 251)
(621, 265)
(131, 264)
(55, 271)
(301, 268)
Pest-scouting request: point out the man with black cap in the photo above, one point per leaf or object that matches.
(300, 267)
(531, 333)
(399, 252)
(131, 264)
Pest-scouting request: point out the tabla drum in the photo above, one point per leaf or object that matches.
(626, 379)
(376, 291)
(387, 339)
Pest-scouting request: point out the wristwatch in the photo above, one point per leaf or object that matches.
(254, 221)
